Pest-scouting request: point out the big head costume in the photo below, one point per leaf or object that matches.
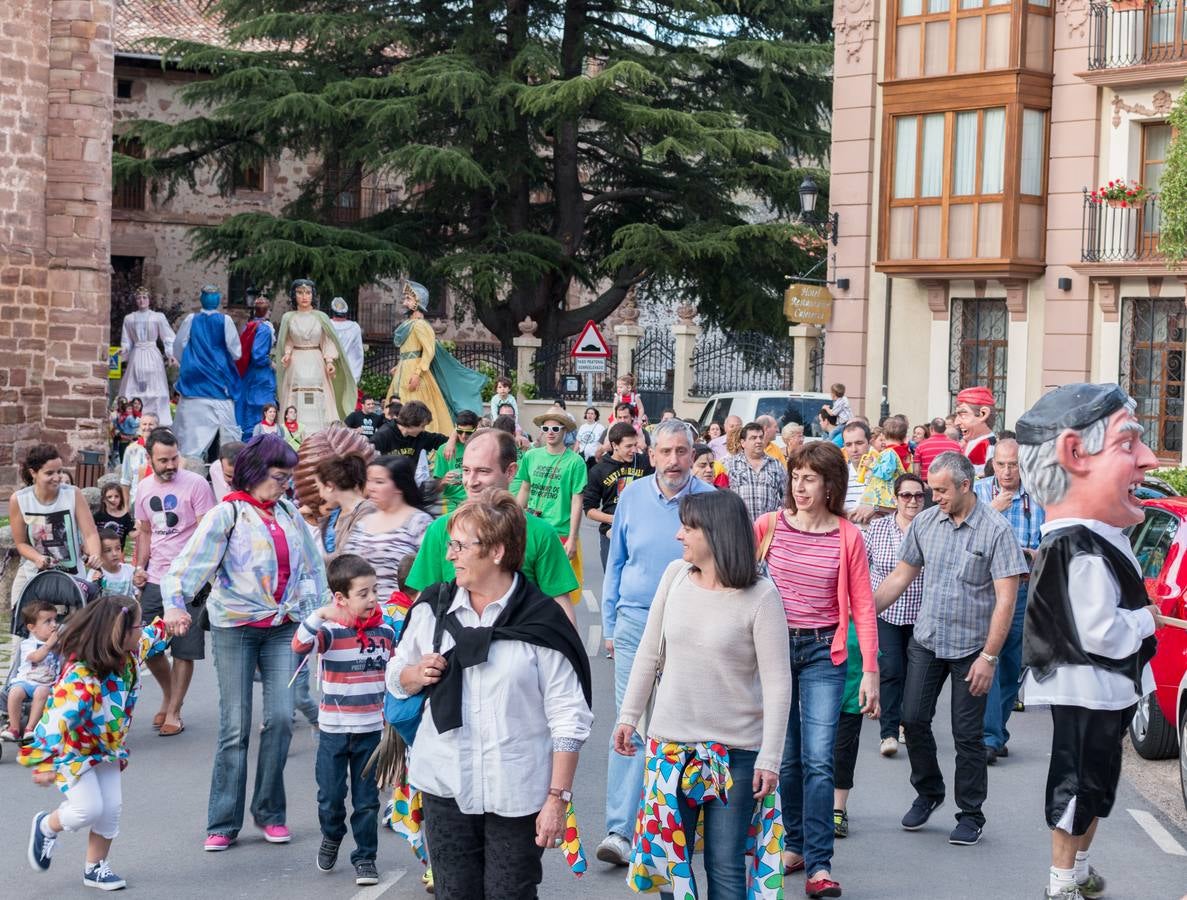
(144, 372)
(975, 414)
(208, 381)
(257, 378)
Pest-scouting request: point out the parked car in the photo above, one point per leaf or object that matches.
(1159, 726)
(785, 406)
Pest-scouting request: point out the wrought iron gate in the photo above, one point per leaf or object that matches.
(743, 361)
(654, 365)
(1152, 335)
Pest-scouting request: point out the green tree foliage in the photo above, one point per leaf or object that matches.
(538, 145)
(1172, 191)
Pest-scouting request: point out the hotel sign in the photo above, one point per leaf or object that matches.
(807, 304)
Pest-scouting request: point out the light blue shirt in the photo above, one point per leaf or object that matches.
(1024, 515)
(642, 543)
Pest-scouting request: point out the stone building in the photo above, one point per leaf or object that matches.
(968, 139)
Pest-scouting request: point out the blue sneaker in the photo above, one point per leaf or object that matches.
(100, 876)
(41, 848)
(389, 810)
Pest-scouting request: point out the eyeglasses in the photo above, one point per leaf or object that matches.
(911, 497)
(458, 546)
(465, 430)
(281, 478)
(551, 428)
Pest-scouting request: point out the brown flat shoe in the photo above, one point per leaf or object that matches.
(171, 730)
(157, 721)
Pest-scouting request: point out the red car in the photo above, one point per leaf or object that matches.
(1159, 727)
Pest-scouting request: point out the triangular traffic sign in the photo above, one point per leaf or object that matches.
(590, 343)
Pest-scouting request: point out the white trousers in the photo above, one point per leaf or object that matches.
(95, 800)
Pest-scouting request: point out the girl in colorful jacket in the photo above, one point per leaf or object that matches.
(79, 742)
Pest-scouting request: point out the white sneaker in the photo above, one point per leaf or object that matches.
(614, 849)
(888, 747)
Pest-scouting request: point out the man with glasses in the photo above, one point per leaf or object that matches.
(447, 468)
(169, 505)
(1005, 493)
(550, 484)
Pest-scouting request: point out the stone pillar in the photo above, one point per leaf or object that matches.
(525, 353)
(78, 216)
(627, 341)
(686, 331)
(802, 339)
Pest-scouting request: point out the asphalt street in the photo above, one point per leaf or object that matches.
(1140, 849)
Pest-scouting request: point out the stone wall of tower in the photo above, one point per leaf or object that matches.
(56, 63)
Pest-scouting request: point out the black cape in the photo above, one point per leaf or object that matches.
(529, 616)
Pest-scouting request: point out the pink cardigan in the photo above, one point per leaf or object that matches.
(855, 597)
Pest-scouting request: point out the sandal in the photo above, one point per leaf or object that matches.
(797, 866)
(157, 721)
(171, 730)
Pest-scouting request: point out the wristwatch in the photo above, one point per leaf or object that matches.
(560, 793)
(992, 660)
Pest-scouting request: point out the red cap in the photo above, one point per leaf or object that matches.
(975, 397)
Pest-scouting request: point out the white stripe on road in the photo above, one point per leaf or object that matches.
(591, 602)
(1159, 835)
(593, 640)
(375, 891)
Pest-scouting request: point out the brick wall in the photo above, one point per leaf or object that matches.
(55, 212)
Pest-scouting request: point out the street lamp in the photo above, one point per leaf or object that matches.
(826, 226)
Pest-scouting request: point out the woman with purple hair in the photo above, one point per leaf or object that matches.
(266, 574)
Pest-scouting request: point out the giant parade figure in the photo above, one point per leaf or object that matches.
(975, 414)
(350, 336)
(309, 352)
(144, 372)
(257, 378)
(207, 384)
(1088, 638)
(427, 371)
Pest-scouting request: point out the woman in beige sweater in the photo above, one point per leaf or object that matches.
(720, 710)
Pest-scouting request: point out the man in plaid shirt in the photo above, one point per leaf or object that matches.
(1005, 493)
(755, 477)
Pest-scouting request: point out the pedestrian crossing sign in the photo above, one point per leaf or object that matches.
(590, 343)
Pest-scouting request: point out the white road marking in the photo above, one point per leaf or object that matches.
(593, 640)
(591, 602)
(1159, 835)
(375, 891)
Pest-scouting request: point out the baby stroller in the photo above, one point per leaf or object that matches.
(66, 593)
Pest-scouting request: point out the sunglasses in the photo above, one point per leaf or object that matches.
(547, 428)
(465, 430)
(911, 497)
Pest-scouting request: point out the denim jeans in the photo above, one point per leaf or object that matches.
(339, 756)
(238, 651)
(624, 774)
(926, 674)
(727, 825)
(999, 702)
(892, 663)
(604, 548)
(806, 774)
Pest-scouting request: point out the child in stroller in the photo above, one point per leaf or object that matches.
(37, 668)
(61, 593)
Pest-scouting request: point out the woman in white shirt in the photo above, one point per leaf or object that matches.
(589, 435)
(508, 709)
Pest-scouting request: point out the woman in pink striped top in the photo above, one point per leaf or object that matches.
(817, 560)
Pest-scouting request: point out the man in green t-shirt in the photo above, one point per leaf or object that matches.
(448, 466)
(490, 463)
(551, 481)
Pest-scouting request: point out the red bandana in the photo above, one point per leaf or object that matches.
(291, 426)
(361, 625)
(264, 505)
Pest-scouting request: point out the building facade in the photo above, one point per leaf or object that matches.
(968, 138)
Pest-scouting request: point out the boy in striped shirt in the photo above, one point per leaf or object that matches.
(354, 640)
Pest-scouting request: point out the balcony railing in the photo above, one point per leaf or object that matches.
(353, 204)
(1114, 234)
(1136, 33)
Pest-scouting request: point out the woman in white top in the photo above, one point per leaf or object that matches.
(267, 423)
(51, 522)
(717, 633)
(589, 435)
(396, 526)
(508, 709)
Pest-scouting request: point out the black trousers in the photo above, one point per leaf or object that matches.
(481, 857)
(926, 675)
(1085, 765)
(845, 750)
(892, 664)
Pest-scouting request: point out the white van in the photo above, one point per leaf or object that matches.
(786, 406)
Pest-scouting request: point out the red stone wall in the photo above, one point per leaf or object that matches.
(55, 211)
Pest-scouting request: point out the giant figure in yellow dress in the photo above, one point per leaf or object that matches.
(426, 371)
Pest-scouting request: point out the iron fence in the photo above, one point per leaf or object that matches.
(1114, 233)
(555, 374)
(653, 365)
(491, 357)
(1135, 32)
(816, 366)
(977, 342)
(745, 361)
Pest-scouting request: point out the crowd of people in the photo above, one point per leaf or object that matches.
(765, 589)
